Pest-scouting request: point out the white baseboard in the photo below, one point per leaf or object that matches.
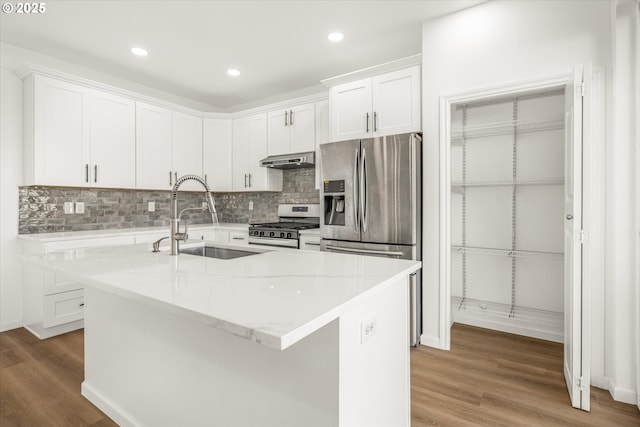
(106, 405)
(7, 326)
(620, 394)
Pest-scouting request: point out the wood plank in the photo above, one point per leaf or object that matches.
(489, 378)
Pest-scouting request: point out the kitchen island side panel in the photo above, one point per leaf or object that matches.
(149, 367)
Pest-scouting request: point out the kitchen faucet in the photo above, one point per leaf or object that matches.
(176, 236)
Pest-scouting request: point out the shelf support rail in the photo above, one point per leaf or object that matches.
(514, 166)
(464, 209)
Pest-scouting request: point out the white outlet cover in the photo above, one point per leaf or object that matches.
(68, 207)
(368, 328)
(251, 205)
(152, 206)
(79, 207)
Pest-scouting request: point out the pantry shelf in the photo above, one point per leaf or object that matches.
(506, 127)
(458, 186)
(559, 256)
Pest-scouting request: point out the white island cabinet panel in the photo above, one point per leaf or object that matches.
(154, 158)
(217, 153)
(113, 141)
(186, 133)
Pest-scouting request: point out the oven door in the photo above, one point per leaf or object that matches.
(266, 241)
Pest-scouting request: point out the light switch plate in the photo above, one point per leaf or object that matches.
(152, 206)
(68, 207)
(79, 207)
(251, 205)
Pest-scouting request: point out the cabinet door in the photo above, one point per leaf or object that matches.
(217, 156)
(61, 133)
(322, 134)
(113, 144)
(154, 162)
(187, 148)
(302, 122)
(258, 176)
(279, 132)
(350, 106)
(396, 102)
(240, 168)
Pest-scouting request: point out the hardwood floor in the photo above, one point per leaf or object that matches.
(487, 379)
(491, 378)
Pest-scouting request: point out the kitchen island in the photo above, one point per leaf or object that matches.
(282, 338)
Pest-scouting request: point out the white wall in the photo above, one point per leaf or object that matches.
(503, 41)
(11, 161)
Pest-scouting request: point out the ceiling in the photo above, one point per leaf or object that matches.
(278, 46)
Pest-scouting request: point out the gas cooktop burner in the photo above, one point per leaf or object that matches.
(286, 225)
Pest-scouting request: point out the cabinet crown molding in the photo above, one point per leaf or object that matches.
(398, 64)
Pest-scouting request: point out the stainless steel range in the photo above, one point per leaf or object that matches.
(293, 218)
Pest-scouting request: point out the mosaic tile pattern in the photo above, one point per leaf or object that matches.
(41, 209)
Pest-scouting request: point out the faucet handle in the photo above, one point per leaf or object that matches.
(185, 236)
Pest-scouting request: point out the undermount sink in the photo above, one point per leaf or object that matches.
(217, 252)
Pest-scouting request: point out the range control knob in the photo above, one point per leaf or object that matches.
(261, 233)
(288, 235)
(281, 235)
(271, 234)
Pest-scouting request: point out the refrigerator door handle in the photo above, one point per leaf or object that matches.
(364, 251)
(363, 190)
(356, 193)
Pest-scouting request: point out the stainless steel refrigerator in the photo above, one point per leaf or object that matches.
(371, 202)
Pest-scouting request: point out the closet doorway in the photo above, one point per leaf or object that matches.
(511, 215)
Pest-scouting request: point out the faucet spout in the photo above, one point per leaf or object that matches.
(176, 236)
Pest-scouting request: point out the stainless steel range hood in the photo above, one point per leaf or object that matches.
(290, 161)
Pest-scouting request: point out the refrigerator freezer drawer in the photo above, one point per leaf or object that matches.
(370, 249)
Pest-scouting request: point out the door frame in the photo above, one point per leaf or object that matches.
(593, 208)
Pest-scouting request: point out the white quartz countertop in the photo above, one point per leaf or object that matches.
(274, 298)
(73, 235)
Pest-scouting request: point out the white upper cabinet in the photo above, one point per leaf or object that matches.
(291, 130)
(113, 145)
(249, 147)
(186, 131)
(322, 133)
(76, 136)
(382, 105)
(154, 157)
(217, 153)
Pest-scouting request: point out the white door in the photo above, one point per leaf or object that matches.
(113, 141)
(153, 147)
(240, 168)
(61, 134)
(278, 140)
(350, 107)
(396, 102)
(186, 131)
(216, 153)
(302, 122)
(575, 371)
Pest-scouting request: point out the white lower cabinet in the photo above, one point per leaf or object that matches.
(239, 238)
(310, 242)
(53, 303)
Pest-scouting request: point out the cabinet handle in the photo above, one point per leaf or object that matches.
(175, 176)
(95, 173)
(249, 180)
(86, 172)
(170, 179)
(245, 180)
(311, 244)
(375, 121)
(81, 304)
(367, 122)
(237, 238)
(290, 117)
(286, 118)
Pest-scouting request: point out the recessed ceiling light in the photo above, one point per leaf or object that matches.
(233, 72)
(335, 37)
(139, 51)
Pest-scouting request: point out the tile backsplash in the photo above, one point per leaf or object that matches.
(41, 209)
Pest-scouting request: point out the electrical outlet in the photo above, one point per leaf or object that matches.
(152, 207)
(79, 207)
(367, 329)
(68, 207)
(250, 205)
(205, 205)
